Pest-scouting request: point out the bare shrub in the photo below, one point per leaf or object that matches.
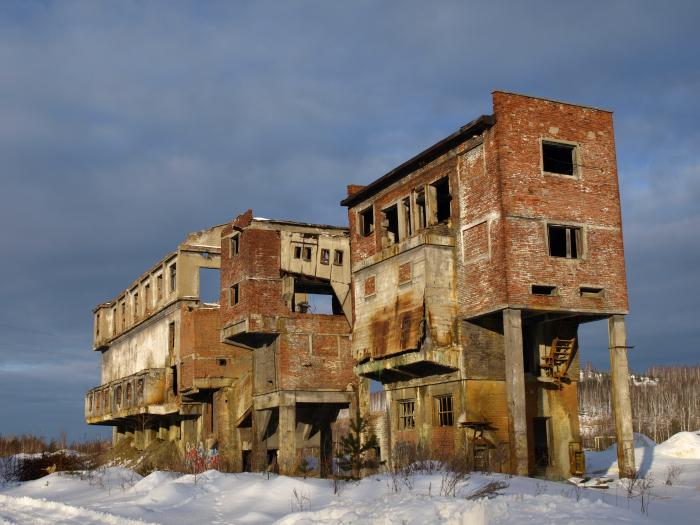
(673, 473)
(488, 491)
(300, 500)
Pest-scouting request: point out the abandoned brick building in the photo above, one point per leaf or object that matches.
(459, 286)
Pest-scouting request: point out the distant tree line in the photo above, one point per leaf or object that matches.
(665, 400)
(30, 444)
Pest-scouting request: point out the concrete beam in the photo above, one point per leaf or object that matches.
(515, 389)
(621, 404)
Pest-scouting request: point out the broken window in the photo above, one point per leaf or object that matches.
(564, 241)
(234, 295)
(306, 253)
(173, 277)
(209, 282)
(338, 258)
(366, 220)
(325, 256)
(445, 414)
(315, 297)
(421, 217)
(147, 297)
(543, 289)
(558, 158)
(136, 306)
(407, 418)
(441, 200)
(234, 246)
(297, 252)
(390, 225)
(591, 291)
(159, 286)
(221, 362)
(171, 336)
(406, 217)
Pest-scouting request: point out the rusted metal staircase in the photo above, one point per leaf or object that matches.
(556, 363)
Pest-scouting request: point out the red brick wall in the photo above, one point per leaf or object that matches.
(590, 200)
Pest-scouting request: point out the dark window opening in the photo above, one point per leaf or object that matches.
(325, 256)
(129, 393)
(136, 305)
(123, 316)
(174, 379)
(159, 286)
(118, 396)
(390, 224)
(221, 362)
(114, 321)
(171, 336)
(235, 244)
(139, 389)
(315, 297)
(338, 257)
(564, 241)
(421, 217)
(541, 442)
(234, 295)
(443, 200)
(407, 418)
(543, 289)
(147, 297)
(173, 277)
(209, 282)
(297, 252)
(367, 221)
(590, 291)
(306, 253)
(406, 216)
(445, 415)
(558, 158)
(97, 325)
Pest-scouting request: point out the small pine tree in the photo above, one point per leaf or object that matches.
(352, 454)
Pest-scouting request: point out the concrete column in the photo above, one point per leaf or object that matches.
(149, 436)
(188, 431)
(621, 404)
(515, 389)
(287, 439)
(261, 419)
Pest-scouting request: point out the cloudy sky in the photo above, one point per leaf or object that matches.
(125, 125)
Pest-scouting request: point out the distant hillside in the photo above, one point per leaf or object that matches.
(665, 400)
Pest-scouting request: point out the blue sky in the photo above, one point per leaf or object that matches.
(125, 125)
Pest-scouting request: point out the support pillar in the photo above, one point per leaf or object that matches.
(515, 390)
(287, 439)
(149, 436)
(621, 404)
(261, 420)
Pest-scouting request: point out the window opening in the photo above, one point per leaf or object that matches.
(390, 224)
(558, 158)
(234, 244)
(123, 316)
(407, 414)
(543, 289)
(221, 362)
(118, 396)
(444, 411)
(315, 297)
(367, 221)
(338, 258)
(147, 297)
(234, 295)
(129, 393)
(114, 321)
(136, 306)
(564, 241)
(159, 286)
(306, 253)
(590, 291)
(174, 379)
(297, 252)
(443, 199)
(325, 256)
(97, 325)
(171, 336)
(173, 277)
(406, 216)
(421, 217)
(209, 282)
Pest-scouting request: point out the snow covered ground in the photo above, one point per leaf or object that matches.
(116, 495)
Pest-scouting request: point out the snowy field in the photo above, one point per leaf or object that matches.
(120, 496)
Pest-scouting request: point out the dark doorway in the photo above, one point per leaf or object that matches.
(541, 444)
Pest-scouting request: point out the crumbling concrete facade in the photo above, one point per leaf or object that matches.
(474, 263)
(459, 286)
(165, 372)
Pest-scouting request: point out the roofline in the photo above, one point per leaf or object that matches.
(296, 223)
(475, 127)
(550, 100)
